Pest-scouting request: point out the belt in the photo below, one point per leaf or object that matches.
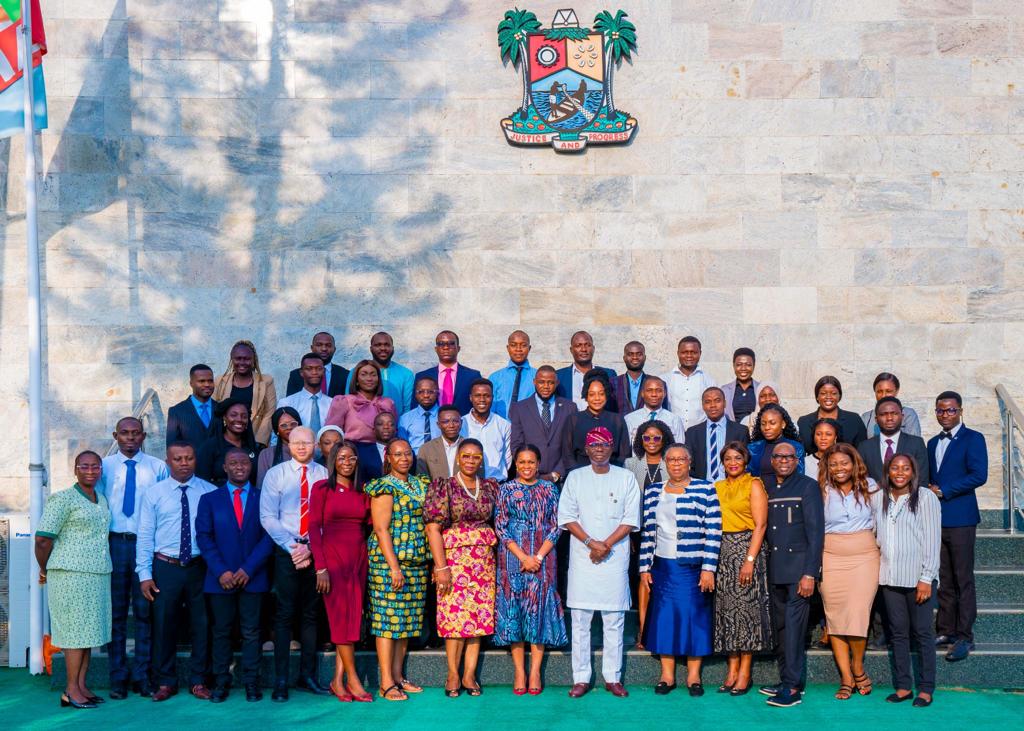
(123, 536)
(173, 561)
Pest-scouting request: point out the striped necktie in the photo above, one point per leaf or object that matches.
(714, 466)
(303, 505)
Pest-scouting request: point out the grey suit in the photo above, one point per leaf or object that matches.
(529, 428)
(638, 466)
(729, 389)
(871, 452)
(432, 460)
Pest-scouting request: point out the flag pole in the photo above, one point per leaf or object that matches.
(37, 472)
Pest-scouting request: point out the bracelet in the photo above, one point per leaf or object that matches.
(443, 568)
(321, 571)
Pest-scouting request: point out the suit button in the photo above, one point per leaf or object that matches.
(775, 548)
(775, 527)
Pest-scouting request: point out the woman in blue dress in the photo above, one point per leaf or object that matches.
(528, 606)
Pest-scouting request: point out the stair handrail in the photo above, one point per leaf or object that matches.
(141, 407)
(1013, 484)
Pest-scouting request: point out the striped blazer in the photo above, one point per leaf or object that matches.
(698, 524)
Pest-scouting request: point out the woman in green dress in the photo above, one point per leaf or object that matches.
(74, 560)
(398, 566)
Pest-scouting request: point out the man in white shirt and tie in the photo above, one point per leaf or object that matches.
(687, 382)
(653, 397)
(311, 403)
(284, 513)
(126, 476)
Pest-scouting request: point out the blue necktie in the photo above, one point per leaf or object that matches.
(654, 415)
(204, 414)
(426, 427)
(128, 506)
(185, 547)
(713, 464)
(314, 414)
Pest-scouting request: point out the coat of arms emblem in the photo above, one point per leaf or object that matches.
(567, 79)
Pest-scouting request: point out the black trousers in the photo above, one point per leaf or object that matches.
(958, 603)
(224, 610)
(296, 596)
(126, 594)
(179, 585)
(908, 618)
(790, 614)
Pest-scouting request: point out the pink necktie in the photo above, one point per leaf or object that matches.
(447, 388)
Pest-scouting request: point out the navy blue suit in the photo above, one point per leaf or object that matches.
(464, 377)
(226, 547)
(964, 469)
(565, 389)
(371, 466)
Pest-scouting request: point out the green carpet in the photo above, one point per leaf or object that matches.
(28, 703)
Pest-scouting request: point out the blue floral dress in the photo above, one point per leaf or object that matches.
(528, 606)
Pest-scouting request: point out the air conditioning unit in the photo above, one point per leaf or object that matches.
(15, 546)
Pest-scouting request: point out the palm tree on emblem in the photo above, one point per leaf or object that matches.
(619, 43)
(512, 32)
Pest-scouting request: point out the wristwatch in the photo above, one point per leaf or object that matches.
(588, 541)
(750, 559)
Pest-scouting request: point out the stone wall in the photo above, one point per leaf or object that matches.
(838, 184)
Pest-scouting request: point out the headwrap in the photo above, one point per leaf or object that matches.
(329, 427)
(598, 434)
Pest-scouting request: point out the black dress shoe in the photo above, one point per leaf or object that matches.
(280, 694)
(309, 684)
(119, 691)
(66, 701)
(143, 687)
(920, 702)
(253, 693)
(696, 690)
(663, 688)
(219, 694)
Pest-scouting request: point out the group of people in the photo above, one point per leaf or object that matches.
(449, 503)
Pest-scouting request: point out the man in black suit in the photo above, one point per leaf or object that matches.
(629, 385)
(335, 376)
(796, 540)
(371, 456)
(570, 378)
(891, 440)
(453, 378)
(191, 420)
(540, 421)
(707, 439)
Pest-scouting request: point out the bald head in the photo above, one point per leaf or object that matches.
(518, 347)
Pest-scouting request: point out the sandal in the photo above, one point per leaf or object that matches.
(474, 692)
(385, 693)
(453, 692)
(845, 692)
(863, 684)
(409, 687)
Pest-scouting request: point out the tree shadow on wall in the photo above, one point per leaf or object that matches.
(192, 203)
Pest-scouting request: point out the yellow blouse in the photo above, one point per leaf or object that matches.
(734, 498)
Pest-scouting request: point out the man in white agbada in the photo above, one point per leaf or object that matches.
(599, 506)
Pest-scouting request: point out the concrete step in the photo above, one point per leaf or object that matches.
(989, 666)
(1000, 585)
(999, 549)
(1000, 623)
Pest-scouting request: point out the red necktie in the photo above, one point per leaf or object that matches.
(323, 382)
(303, 505)
(239, 512)
(888, 450)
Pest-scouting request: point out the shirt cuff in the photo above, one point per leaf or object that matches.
(44, 534)
(709, 567)
(145, 575)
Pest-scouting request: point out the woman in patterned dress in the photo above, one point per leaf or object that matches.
(458, 513)
(743, 623)
(74, 559)
(398, 572)
(528, 606)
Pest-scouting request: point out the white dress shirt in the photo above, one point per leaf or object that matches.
(496, 436)
(577, 387)
(943, 445)
(635, 419)
(280, 496)
(685, 394)
(451, 450)
(882, 446)
(148, 471)
(160, 521)
(302, 402)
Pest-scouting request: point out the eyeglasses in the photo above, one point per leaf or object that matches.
(600, 445)
(652, 437)
(426, 390)
(677, 459)
(300, 444)
(445, 343)
(784, 457)
(348, 458)
(952, 411)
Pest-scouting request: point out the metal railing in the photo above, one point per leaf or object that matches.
(1013, 459)
(139, 412)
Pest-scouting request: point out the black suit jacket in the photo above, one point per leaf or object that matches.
(184, 424)
(464, 377)
(914, 447)
(796, 528)
(528, 428)
(371, 466)
(621, 388)
(565, 386)
(339, 376)
(696, 441)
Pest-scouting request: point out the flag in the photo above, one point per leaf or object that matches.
(12, 93)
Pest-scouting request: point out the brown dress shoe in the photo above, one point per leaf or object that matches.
(616, 689)
(201, 692)
(164, 692)
(579, 690)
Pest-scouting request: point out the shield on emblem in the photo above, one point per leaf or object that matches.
(566, 78)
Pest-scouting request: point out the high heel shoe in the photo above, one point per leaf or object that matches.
(96, 699)
(66, 702)
(343, 697)
(363, 697)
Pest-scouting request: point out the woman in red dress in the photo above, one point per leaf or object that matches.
(338, 520)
